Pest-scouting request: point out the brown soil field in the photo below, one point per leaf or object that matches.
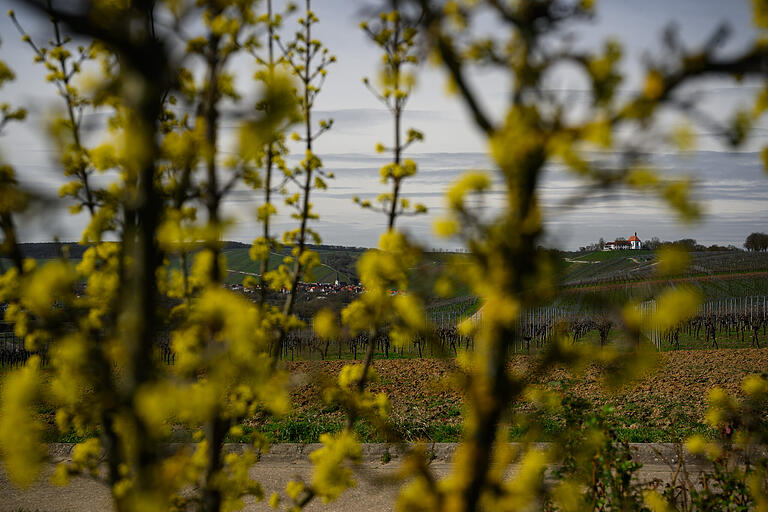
(666, 404)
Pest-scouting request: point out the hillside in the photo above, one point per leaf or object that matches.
(73, 250)
(336, 259)
(602, 274)
(336, 264)
(605, 274)
(620, 266)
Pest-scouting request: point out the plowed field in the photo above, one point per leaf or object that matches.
(666, 404)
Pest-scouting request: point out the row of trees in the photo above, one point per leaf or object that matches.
(754, 242)
(687, 244)
(169, 178)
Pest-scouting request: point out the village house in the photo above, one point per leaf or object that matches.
(633, 243)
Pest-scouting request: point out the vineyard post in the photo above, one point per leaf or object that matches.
(549, 322)
(529, 326)
(524, 330)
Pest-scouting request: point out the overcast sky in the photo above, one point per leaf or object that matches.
(731, 186)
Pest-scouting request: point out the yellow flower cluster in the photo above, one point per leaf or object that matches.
(381, 272)
(86, 457)
(374, 407)
(19, 428)
(330, 476)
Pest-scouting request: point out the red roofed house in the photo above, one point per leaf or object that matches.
(633, 243)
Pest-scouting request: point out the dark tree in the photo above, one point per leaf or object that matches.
(653, 244)
(756, 242)
(689, 244)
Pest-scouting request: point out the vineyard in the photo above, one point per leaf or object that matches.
(734, 314)
(737, 322)
(619, 267)
(728, 323)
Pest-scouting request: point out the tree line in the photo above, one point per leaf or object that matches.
(654, 243)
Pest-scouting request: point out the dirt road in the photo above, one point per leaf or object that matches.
(376, 488)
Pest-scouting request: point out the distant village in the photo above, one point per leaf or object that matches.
(311, 290)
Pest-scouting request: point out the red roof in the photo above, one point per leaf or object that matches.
(633, 238)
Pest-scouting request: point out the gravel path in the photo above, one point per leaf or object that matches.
(376, 489)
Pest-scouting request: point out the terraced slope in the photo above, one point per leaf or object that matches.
(715, 274)
(336, 264)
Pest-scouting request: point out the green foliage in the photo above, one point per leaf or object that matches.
(594, 460)
(166, 179)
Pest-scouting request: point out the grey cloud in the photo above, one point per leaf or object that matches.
(731, 186)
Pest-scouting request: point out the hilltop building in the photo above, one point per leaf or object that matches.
(633, 243)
